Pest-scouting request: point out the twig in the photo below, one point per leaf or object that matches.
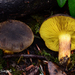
(29, 67)
(19, 59)
(38, 48)
(9, 72)
(71, 71)
(26, 56)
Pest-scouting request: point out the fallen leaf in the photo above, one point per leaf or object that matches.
(55, 69)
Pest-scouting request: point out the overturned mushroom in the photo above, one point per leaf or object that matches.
(15, 36)
(58, 32)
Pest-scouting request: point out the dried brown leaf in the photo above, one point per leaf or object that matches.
(55, 69)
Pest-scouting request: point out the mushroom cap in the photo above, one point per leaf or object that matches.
(53, 27)
(15, 36)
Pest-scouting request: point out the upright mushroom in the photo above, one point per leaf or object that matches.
(15, 36)
(58, 32)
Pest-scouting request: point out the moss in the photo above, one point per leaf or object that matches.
(35, 22)
(49, 57)
(72, 61)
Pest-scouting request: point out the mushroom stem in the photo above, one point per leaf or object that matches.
(64, 48)
(8, 52)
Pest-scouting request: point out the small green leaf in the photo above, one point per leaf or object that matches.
(71, 5)
(61, 3)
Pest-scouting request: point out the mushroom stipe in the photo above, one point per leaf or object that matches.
(15, 36)
(58, 32)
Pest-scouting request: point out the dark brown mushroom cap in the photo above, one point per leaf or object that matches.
(15, 36)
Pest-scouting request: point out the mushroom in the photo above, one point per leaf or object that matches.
(15, 36)
(58, 32)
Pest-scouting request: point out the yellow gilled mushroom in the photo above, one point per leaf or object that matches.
(58, 32)
(15, 36)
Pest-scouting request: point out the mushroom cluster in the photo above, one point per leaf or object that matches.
(15, 36)
(58, 32)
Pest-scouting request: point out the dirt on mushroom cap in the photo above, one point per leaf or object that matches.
(53, 27)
